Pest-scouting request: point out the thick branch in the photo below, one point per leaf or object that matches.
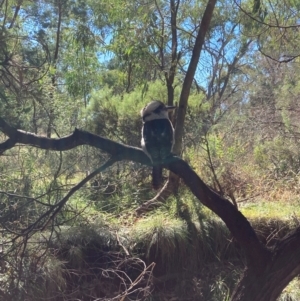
(235, 221)
(77, 138)
(232, 217)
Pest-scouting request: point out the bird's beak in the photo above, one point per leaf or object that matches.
(170, 108)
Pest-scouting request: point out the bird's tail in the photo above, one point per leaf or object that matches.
(156, 176)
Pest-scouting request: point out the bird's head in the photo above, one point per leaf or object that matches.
(155, 110)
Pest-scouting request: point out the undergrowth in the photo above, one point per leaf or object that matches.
(181, 253)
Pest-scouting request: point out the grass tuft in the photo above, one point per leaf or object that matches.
(164, 240)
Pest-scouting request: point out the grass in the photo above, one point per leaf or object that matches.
(163, 238)
(166, 238)
(292, 291)
(190, 245)
(271, 210)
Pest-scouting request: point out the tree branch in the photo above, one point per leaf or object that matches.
(234, 220)
(77, 138)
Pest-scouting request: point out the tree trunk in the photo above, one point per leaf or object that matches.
(173, 182)
(189, 77)
(267, 281)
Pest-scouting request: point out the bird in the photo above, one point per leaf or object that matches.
(157, 137)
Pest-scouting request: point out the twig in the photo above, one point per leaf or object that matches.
(61, 203)
(123, 247)
(55, 209)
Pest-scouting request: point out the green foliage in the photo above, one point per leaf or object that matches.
(94, 65)
(280, 157)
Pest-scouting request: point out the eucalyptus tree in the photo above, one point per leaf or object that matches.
(262, 113)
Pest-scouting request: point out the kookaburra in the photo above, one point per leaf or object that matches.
(157, 137)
